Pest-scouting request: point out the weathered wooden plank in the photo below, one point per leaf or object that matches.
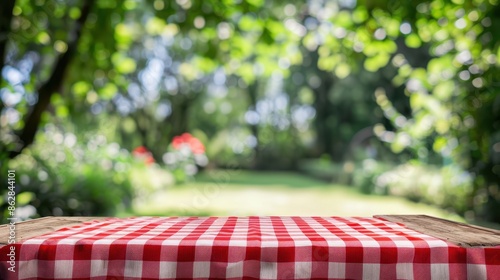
(35, 227)
(458, 233)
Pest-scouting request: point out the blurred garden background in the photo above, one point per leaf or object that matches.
(251, 107)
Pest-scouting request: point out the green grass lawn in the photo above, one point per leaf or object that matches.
(243, 193)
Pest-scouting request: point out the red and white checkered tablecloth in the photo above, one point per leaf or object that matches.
(246, 247)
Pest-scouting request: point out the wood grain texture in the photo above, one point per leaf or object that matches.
(461, 234)
(36, 227)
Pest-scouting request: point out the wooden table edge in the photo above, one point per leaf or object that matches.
(461, 234)
(36, 227)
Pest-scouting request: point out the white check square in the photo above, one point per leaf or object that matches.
(98, 268)
(201, 269)
(268, 270)
(371, 271)
(234, 270)
(63, 269)
(168, 269)
(133, 268)
(28, 269)
(336, 270)
(303, 270)
(476, 271)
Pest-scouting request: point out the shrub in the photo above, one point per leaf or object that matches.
(326, 170)
(61, 176)
(447, 187)
(366, 174)
(185, 155)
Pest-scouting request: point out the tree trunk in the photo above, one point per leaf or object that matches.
(6, 7)
(53, 84)
(252, 91)
(324, 109)
(142, 121)
(178, 120)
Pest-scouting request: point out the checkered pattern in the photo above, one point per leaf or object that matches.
(246, 247)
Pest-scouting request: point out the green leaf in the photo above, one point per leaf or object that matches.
(422, 126)
(399, 143)
(306, 95)
(419, 74)
(392, 27)
(371, 49)
(389, 46)
(276, 28)
(241, 48)
(343, 18)
(417, 101)
(498, 56)
(360, 15)
(256, 3)
(442, 126)
(43, 38)
(413, 41)
(74, 12)
(125, 66)
(342, 70)
(108, 91)
(328, 63)
(205, 64)
(56, 99)
(62, 111)
(436, 65)
(444, 90)
(188, 71)
(405, 71)
(248, 23)
(81, 88)
(123, 34)
(129, 4)
(24, 198)
(439, 144)
(376, 62)
(155, 26)
(245, 71)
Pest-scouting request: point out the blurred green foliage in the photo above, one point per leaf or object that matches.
(366, 174)
(62, 176)
(448, 187)
(366, 87)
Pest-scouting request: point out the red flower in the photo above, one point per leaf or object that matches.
(142, 153)
(149, 160)
(177, 142)
(141, 150)
(187, 139)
